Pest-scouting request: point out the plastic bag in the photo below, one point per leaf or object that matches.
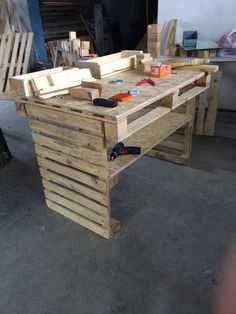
(228, 40)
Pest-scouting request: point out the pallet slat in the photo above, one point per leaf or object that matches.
(72, 136)
(65, 118)
(78, 198)
(74, 185)
(80, 210)
(98, 158)
(71, 161)
(106, 233)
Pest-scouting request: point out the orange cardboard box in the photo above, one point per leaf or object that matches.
(160, 70)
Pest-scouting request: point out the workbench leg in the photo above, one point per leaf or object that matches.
(72, 156)
(178, 146)
(209, 128)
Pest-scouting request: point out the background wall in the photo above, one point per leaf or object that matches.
(212, 19)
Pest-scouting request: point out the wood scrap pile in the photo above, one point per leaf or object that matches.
(80, 46)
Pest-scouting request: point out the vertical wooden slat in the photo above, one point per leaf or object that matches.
(2, 48)
(213, 104)
(202, 103)
(6, 53)
(13, 59)
(27, 52)
(21, 54)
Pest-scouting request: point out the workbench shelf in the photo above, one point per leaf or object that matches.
(147, 138)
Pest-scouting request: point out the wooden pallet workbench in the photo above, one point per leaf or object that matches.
(74, 138)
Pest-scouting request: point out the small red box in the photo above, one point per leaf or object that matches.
(160, 70)
(121, 97)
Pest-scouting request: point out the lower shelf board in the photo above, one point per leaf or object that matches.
(147, 138)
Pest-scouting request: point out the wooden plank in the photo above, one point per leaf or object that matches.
(78, 198)
(202, 103)
(21, 54)
(74, 162)
(147, 138)
(13, 58)
(27, 52)
(98, 158)
(98, 19)
(72, 136)
(148, 118)
(106, 233)
(190, 94)
(200, 68)
(180, 160)
(74, 174)
(82, 211)
(7, 53)
(2, 48)
(69, 119)
(209, 128)
(68, 181)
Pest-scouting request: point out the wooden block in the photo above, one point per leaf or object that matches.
(85, 45)
(203, 54)
(40, 84)
(153, 37)
(92, 85)
(154, 28)
(84, 93)
(72, 36)
(153, 46)
(212, 52)
(76, 46)
(84, 52)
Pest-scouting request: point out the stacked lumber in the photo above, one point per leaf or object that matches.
(15, 52)
(80, 46)
(154, 39)
(202, 53)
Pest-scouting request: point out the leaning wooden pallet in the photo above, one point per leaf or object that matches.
(15, 52)
(73, 140)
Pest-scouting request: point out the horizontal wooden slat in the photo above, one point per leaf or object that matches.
(75, 186)
(98, 158)
(149, 137)
(76, 175)
(146, 119)
(106, 233)
(94, 126)
(185, 97)
(78, 198)
(78, 138)
(81, 210)
(172, 144)
(71, 161)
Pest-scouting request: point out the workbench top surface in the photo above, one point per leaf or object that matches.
(148, 94)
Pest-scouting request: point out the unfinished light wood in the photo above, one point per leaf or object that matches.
(147, 138)
(73, 140)
(209, 128)
(110, 64)
(15, 52)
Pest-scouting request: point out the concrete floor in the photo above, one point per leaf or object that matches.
(177, 223)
